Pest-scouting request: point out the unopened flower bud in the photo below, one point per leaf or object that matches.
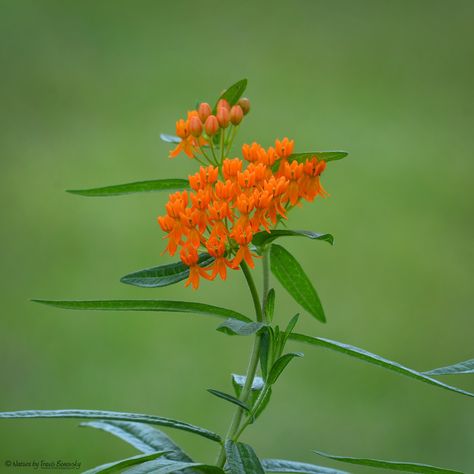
(236, 114)
(245, 104)
(223, 116)
(204, 111)
(223, 103)
(195, 126)
(211, 126)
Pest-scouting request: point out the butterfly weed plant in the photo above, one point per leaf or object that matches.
(227, 217)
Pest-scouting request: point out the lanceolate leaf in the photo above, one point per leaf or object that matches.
(280, 365)
(281, 465)
(163, 275)
(160, 466)
(118, 466)
(234, 92)
(263, 403)
(374, 359)
(147, 305)
(112, 415)
(263, 238)
(292, 276)
(228, 398)
(241, 459)
(320, 155)
(466, 367)
(392, 465)
(234, 327)
(131, 188)
(270, 305)
(142, 437)
(170, 138)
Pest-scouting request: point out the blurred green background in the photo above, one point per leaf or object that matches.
(86, 87)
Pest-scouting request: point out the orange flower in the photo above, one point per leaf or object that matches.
(284, 148)
(217, 249)
(188, 143)
(243, 236)
(189, 257)
(293, 173)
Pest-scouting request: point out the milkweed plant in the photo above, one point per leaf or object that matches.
(227, 217)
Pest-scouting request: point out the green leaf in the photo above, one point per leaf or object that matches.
(280, 365)
(266, 350)
(229, 398)
(163, 275)
(264, 402)
(147, 305)
(137, 187)
(239, 381)
(264, 238)
(123, 463)
(170, 138)
(270, 305)
(393, 465)
(160, 466)
(234, 327)
(281, 465)
(233, 93)
(241, 459)
(320, 155)
(465, 367)
(112, 415)
(142, 437)
(292, 277)
(374, 359)
(289, 329)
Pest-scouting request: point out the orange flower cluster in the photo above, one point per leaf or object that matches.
(229, 204)
(201, 125)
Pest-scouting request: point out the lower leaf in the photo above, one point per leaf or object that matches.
(281, 465)
(374, 359)
(241, 459)
(392, 465)
(113, 415)
(123, 463)
(143, 437)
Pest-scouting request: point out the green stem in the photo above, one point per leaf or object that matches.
(266, 280)
(252, 367)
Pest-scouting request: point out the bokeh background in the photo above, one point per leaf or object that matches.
(86, 88)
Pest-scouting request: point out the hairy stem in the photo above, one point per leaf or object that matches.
(252, 367)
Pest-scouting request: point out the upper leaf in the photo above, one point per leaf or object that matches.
(280, 365)
(142, 437)
(234, 92)
(229, 398)
(320, 155)
(263, 238)
(123, 463)
(465, 367)
(234, 327)
(292, 276)
(113, 415)
(137, 187)
(392, 465)
(374, 359)
(282, 465)
(241, 459)
(147, 305)
(163, 275)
